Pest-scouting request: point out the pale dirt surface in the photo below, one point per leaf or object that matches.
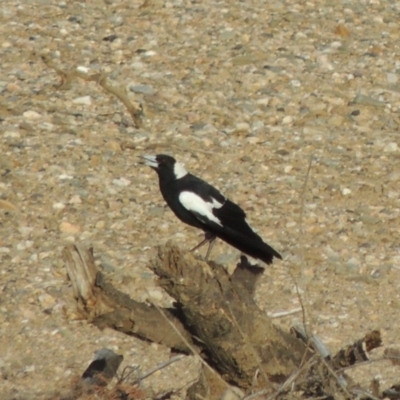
(243, 93)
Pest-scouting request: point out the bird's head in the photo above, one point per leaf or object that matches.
(165, 165)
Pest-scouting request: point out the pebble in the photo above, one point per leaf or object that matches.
(288, 168)
(30, 114)
(64, 177)
(253, 139)
(300, 35)
(11, 134)
(67, 227)
(25, 230)
(76, 199)
(100, 225)
(242, 127)
(114, 146)
(58, 206)
(24, 245)
(121, 182)
(47, 301)
(83, 69)
(227, 35)
(264, 101)
(392, 78)
(287, 120)
(295, 83)
(368, 101)
(346, 191)
(144, 89)
(336, 120)
(137, 65)
(353, 265)
(85, 100)
(391, 147)
(324, 62)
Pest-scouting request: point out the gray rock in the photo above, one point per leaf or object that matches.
(391, 78)
(144, 89)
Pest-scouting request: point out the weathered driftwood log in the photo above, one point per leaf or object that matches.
(215, 313)
(105, 306)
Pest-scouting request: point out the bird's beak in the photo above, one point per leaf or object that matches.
(150, 161)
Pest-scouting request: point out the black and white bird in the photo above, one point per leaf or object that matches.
(200, 205)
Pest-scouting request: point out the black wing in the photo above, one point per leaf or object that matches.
(234, 228)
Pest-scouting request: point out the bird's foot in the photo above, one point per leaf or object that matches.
(208, 238)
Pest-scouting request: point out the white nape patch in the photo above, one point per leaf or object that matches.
(179, 170)
(193, 202)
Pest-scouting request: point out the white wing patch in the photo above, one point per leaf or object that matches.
(195, 203)
(179, 170)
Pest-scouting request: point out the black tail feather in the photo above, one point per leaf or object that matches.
(252, 245)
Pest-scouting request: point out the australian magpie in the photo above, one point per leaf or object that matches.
(199, 204)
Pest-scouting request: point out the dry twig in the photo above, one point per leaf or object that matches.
(135, 110)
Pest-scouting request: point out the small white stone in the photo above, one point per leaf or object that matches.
(324, 62)
(137, 65)
(48, 126)
(25, 245)
(11, 134)
(121, 182)
(65, 177)
(30, 114)
(346, 191)
(253, 139)
(264, 101)
(391, 147)
(295, 83)
(100, 225)
(300, 35)
(288, 168)
(86, 100)
(242, 126)
(83, 69)
(391, 78)
(76, 199)
(287, 120)
(58, 206)
(336, 44)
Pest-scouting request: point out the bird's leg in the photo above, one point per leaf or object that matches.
(211, 242)
(208, 238)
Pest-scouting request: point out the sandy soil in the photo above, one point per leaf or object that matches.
(245, 94)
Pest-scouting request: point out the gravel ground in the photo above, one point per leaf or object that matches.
(245, 94)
